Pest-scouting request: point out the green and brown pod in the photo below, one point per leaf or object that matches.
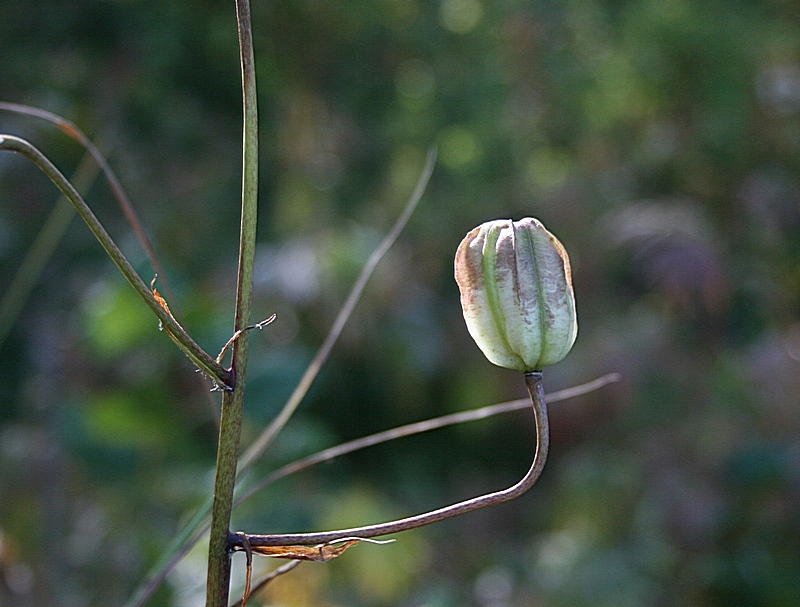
(516, 293)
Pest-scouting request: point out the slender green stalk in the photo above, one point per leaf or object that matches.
(196, 354)
(219, 566)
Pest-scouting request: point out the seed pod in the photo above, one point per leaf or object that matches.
(516, 293)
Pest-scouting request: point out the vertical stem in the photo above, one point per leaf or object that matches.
(219, 566)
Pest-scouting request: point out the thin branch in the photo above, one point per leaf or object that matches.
(196, 354)
(71, 130)
(249, 570)
(427, 425)
(259, 325)
(533, 381)
(258, 446)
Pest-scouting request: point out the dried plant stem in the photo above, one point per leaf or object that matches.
(533, 380)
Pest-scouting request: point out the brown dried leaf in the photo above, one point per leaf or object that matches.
(321, 553)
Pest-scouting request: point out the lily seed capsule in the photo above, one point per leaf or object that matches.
(516, 293)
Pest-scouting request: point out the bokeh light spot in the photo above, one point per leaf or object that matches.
(415, 79)
(458, 147)
(461, 16)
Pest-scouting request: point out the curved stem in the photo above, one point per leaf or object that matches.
(71, 130)
(196, 354)
(533, 381)
(411, 429)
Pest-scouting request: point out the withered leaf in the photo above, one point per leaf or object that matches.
(321, 553)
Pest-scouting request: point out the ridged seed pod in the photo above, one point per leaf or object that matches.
(516, 293)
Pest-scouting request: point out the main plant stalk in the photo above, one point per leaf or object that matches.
(219, 566)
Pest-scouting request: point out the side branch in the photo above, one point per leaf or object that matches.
(196, 354)
(533, 381)
(71, 130)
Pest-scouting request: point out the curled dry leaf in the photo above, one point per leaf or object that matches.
(320, 553)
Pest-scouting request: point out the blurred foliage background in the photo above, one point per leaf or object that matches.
(659, 139)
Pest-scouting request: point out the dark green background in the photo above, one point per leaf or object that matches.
(659, 139)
